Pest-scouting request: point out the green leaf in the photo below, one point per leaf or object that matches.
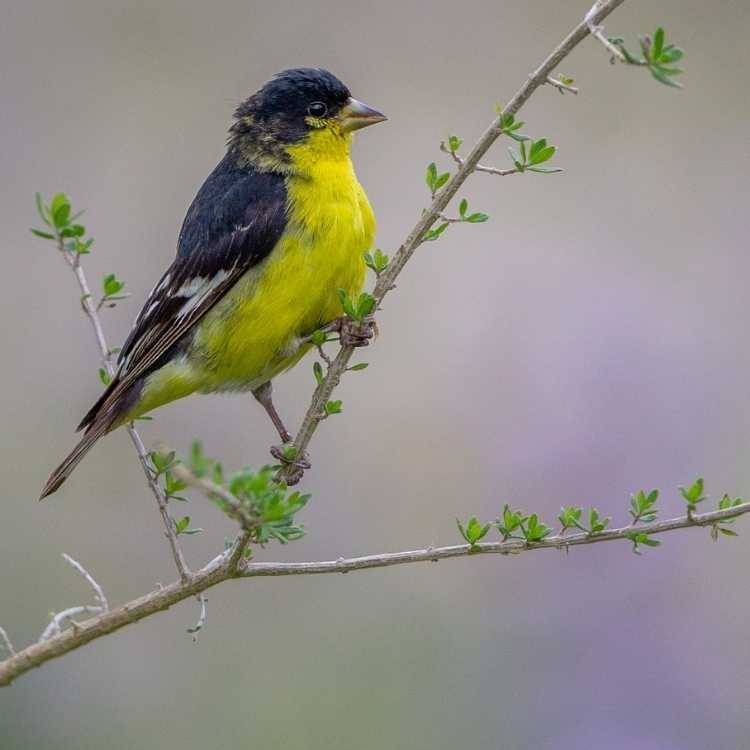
(162, 461)
(104, 376)
(318, 372)
(60, 210)
(333, 407)
(474, 531)
(694, 494)
(535, 530)
(570, 516)
(181, 525)
(43, 235)
(441, 180)
(365, 305)
(477, 218)
(454, 143)
(359, 366)
(431, 176)
(638, 538)
(381, 260)
(346, 304)
(74, 230)
(510, 521)
(172, 485)
(727, 502)
(597, 524)
(663, 77)
(541, 152)
(671, 54)
(112, 285)
(541, 170)
(432, 234)
(463, 207)
(643, 506)
(657, 45)
(318, 338)
(42, 210)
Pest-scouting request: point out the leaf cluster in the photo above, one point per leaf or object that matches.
(58, 216)
(259, 496)
(529, 157)
(364, 306)
(658, 56)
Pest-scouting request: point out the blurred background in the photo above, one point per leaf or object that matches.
(590, 340)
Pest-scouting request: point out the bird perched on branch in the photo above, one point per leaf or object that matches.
(275, 231)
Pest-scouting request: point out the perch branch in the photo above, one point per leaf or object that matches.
(223, 568)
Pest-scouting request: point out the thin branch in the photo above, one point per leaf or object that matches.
(98, 591)
(593, 19)
(386, 280)
(233, 507)
(479, 167)
(55, 626)
(6, 642)
(201, 619)
(74, 261)
(561, 86)
(221, 569)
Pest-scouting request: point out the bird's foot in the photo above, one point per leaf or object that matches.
(293, 463)
(355, 333)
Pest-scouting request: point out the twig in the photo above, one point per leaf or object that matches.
(6, 642)
(74, 261)
(479, 167)
(386, 280)
(220, 569)
(98, 592)
(592, 19)
(66, 614)
(233, 506)
(201, 619)
(561, 86)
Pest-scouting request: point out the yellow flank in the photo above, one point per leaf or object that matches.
(252, 334)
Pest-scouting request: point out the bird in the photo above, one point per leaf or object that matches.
(275, 231)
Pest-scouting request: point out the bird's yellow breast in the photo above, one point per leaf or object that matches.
(252, 334)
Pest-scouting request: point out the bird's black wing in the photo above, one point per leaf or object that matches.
(234, 222)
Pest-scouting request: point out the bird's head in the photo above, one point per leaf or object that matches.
(303, 109)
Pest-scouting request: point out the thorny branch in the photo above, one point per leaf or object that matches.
(231, 564)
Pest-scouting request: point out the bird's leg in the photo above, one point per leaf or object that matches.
(282, 452)
(263, 395)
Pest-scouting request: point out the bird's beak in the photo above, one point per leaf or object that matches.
(355, 115)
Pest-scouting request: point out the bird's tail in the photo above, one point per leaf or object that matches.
(65, 469)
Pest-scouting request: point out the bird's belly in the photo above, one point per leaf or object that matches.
(254, 333)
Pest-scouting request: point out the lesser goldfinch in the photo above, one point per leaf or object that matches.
(277, 228)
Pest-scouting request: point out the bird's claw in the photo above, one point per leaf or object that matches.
(355, 333)
(293, 464)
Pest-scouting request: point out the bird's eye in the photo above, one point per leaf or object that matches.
(317, 109)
